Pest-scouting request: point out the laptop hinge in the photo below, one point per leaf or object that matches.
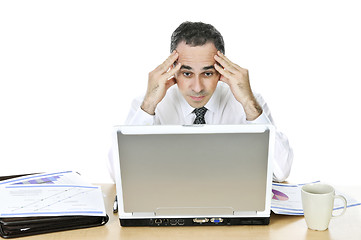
(143, 214)
(244, 213)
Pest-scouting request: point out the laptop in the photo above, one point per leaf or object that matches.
(196, 175)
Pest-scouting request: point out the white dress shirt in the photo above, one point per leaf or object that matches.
(223, 108)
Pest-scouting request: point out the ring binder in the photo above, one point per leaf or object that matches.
(26, 226)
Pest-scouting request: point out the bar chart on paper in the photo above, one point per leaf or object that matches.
(43, 180)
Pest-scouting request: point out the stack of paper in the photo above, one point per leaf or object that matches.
(50, 194)
(286, 199)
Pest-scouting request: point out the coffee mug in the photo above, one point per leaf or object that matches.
(317, 202)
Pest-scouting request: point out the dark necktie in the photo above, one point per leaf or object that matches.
(200, 115)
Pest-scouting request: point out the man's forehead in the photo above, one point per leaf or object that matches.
(198, 56)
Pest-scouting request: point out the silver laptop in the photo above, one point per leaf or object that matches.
(194, 175)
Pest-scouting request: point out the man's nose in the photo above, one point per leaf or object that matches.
(197, 85)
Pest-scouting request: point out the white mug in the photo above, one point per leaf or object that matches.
(317, 202)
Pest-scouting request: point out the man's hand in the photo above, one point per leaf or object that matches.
(159, 81)
(238, 81)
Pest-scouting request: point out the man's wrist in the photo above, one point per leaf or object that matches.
(250, 105)
(148, 107)
(253, 109)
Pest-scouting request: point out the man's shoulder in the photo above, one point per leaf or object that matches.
(172, 90)
(171, 99)
(172, 94)
(223, 87)
(223, 92)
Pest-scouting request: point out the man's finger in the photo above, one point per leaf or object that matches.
(223, 72)
(226, 64)
(170, 83)
(236, 66)
(221, 55)
(168, 62)
(173, 71)
(229, 61)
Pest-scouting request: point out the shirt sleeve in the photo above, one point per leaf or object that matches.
(283, 153)
(137, 116)
(262, 119)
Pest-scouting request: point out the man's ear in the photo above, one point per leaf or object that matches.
(174, 64)
(220, 75)
(174, 76)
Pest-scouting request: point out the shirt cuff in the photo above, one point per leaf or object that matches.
(142, 118)
(262, 119)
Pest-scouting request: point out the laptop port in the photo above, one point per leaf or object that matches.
(181, 222)
(173, 222)
(158, 221)
(200, 220)
(216, 220)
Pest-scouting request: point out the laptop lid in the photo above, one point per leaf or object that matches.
(193, 171)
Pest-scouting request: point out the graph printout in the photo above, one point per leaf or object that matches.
(66, 177)
(286, 199)
(28, 198)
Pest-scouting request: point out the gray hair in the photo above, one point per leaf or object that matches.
(197, 34)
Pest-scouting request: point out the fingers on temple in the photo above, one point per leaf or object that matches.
(222, 71)
(170, 82)
(168, 62)
(172, 71)
(226, 63)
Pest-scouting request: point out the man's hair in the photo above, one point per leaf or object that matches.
(197, 34)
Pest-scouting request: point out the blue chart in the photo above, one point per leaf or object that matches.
(50, 194)
(51, 200)
(42, 180)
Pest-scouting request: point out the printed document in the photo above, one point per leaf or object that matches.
(286, 199)
(50, 194)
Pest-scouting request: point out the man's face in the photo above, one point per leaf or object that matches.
(197, 79)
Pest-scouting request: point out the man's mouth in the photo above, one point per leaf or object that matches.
(197, 98)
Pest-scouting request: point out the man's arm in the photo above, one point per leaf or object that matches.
(238, 80)
(136, 116)
(283, 153)
(159, 81)
(256, 110)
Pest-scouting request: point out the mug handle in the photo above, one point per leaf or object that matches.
(344, 205)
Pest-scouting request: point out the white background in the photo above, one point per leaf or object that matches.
(69, 70)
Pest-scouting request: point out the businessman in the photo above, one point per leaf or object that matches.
(198, 84)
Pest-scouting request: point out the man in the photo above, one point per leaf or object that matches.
(197, 83)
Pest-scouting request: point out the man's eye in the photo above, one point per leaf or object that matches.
(208, 74)
(187, 74)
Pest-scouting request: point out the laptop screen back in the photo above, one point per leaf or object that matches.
(199, 172)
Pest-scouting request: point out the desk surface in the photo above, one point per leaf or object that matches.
(281, 227)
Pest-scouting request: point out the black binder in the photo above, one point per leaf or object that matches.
(26, 226)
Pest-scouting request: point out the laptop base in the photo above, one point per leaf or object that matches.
(216, 221)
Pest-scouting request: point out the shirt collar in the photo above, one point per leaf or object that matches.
(212, 105)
